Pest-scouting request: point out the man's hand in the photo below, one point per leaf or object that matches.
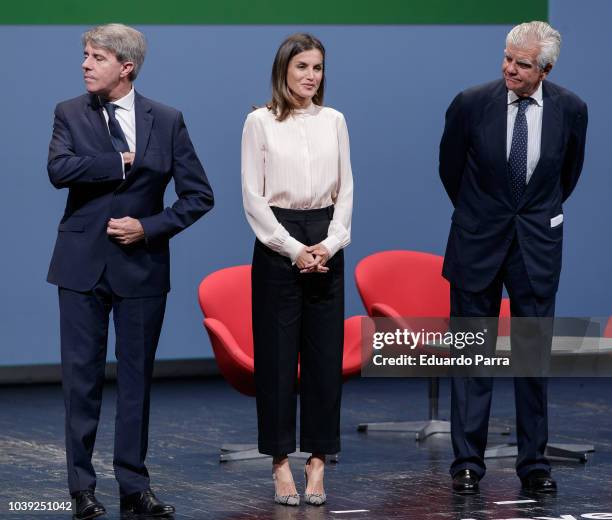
(320, 256)
(126, 230)
(128, 158)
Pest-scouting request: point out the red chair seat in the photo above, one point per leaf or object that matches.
(225, 300)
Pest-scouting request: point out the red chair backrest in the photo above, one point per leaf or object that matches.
(608, 330)
(226, 296)
(503, 327)
(411, 282)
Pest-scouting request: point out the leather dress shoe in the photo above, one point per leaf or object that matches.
(465, 482)
(86, 505)
(145, 504)
(539, 481)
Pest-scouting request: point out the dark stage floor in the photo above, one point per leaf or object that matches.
(387, 475)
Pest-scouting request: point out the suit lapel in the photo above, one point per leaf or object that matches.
(496, 115)
(93, 111)
(144, 122)
(551, 137)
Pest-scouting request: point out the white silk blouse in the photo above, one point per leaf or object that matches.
(302, 162)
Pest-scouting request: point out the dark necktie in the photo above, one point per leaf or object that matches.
(517, 160)
(117, 136)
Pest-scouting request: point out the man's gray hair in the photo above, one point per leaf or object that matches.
(539, 33)
(126, 43)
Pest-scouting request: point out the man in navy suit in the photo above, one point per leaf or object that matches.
(116, 152)
(511, 154)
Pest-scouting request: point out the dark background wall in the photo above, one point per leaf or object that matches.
(393, 83)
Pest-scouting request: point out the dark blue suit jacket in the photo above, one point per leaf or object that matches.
(82, 159)
(473, 169)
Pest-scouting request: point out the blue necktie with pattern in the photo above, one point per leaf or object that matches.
(517, 160)
(117, 136)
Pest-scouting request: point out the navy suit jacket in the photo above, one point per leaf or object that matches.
(82, 159)
(474, 171)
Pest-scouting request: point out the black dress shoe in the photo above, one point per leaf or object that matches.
(465, 482)
(86, 505)
(145, 504)
(539, 481)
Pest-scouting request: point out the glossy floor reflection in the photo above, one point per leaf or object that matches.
(379, 476)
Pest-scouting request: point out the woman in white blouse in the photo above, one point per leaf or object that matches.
(297, 190)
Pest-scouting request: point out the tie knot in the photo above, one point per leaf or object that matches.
(110, 108)
(523, 103)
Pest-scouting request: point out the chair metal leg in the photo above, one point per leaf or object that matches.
(237, 447)
(500, 451)
(234, 452)
(570, 451)
(566, 451)
(394, 426)
(423, 429)
(431, 428)
(499, 430)
(243, 454)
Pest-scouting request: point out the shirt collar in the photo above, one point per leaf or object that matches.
(126, 102)
(536, 96)
(309, 110)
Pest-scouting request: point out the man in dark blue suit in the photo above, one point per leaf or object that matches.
(116, 152)
(511, 154)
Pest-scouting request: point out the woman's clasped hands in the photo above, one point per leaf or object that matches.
(312, 259)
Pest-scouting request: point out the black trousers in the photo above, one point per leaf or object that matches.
(471, 396)
(84, 318)
(298, 316)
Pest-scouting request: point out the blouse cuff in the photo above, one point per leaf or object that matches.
(332, 244)
(293, 248)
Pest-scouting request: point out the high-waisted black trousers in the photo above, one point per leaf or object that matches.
(298, 316)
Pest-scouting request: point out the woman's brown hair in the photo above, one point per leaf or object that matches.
(282, 102)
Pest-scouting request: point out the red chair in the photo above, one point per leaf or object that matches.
(504, 318)
(608, 330)
(225, 300)
(402, 284)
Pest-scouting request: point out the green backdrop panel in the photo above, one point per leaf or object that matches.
(230, 12)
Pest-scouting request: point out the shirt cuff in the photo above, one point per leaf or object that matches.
(293, 248)
(122, 164)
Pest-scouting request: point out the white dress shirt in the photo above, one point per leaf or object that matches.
(302, 162)
(126, 117)
(534, 127)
